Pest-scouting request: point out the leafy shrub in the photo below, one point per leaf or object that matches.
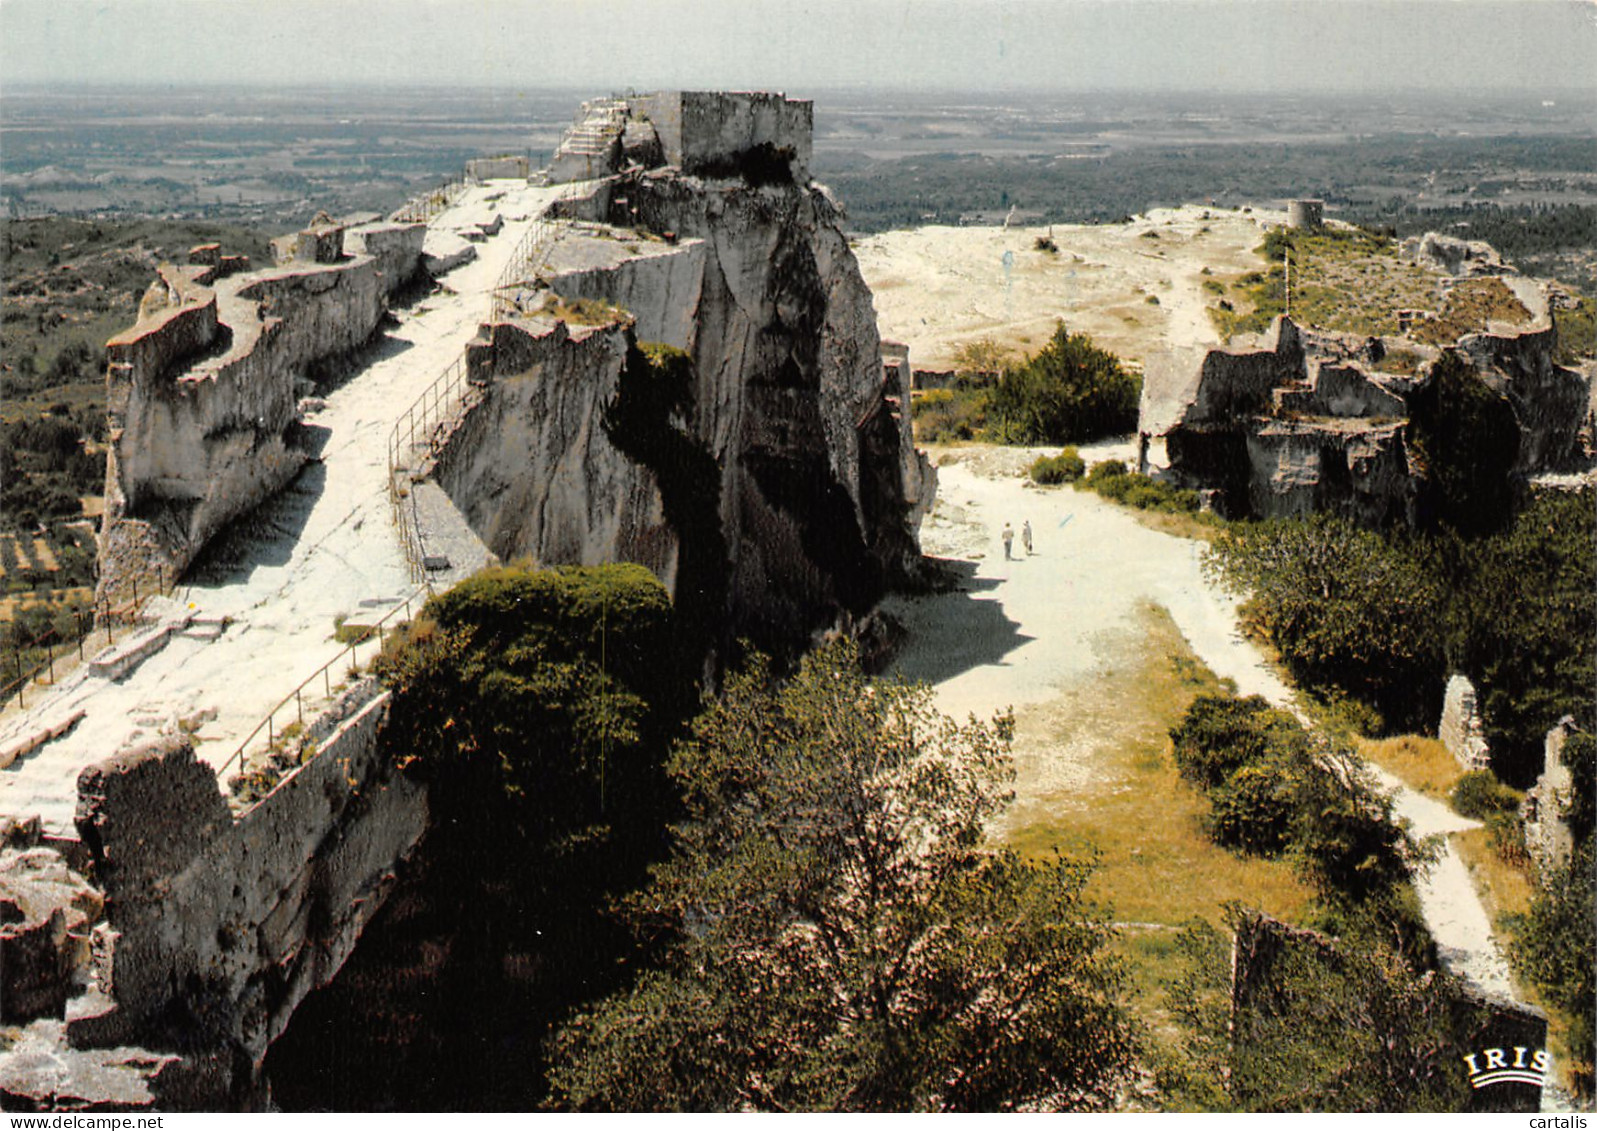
(1480, 795)
(950, 415)
(1111, 480)
(1221, 733)
(1252, 810)
(1347, 610)
(1066, 467)
(1068, 391)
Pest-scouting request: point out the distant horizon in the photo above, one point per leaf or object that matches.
(591, 90)
(1282, 47)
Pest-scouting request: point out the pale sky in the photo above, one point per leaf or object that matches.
(1247, 45)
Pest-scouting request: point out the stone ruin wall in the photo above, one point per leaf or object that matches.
(214, 927)
(202, 395)
(1267, 956)
(1304, 421)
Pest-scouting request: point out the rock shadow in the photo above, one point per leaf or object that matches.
(950, 631)
(267, 535)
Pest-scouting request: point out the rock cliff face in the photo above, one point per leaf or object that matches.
(755, 454)
(1314, 421)
(202, 391)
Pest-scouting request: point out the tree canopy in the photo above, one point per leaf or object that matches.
(1069, 391)
(835, 934)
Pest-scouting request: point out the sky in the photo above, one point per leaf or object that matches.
(1243, 45)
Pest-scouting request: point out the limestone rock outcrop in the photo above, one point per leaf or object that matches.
(202, 392)
(1306, 421)
(756, 454)
(1453, 256)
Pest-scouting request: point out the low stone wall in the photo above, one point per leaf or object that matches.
(1283, 976)
(221, 927)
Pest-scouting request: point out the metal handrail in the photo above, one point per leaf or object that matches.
(106, 616)
(296, 696)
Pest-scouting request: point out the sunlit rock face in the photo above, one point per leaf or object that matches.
(761, 462)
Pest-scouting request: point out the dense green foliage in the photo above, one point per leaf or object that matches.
(1066, 467)
(1273, 789)
(1348, 1026)
(1349, 611)
(1068, 391)
(1524, 627)
(538, 707)
(837, 937)
(1554, 944)
(1111, 480)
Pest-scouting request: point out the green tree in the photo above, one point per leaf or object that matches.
(1554, 944)
(1525, 628)
(1348, 610)
(1069, 391)
(836, 935)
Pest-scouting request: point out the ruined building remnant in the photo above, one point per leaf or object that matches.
(1460, 729)
(1547, 834)
(1298, 421)
(1305, 215)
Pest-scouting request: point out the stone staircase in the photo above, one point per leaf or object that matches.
(588, 147)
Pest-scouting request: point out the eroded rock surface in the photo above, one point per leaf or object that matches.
(1306, 421)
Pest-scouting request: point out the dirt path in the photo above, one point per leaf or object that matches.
(324, 548)
(1020, 632)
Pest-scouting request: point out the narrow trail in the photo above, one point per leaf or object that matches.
(325, 547)
(1020, 632)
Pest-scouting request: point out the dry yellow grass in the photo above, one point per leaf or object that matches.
(1156, 863)
(1423, 763)
(1505, 888)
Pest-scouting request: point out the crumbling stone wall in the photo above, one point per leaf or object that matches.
(1461, 729)
(1303, 421)
(1286, 979)
(202, 394)
(1548, 837)
(220, 927)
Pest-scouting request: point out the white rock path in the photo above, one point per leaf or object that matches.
(1026, 628)
(327, 547)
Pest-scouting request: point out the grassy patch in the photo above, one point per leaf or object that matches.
(582, 311)
(1505, 888)
(1423, 763)
(1157, 864)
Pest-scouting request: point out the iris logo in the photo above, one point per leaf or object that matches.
(1500, 1069)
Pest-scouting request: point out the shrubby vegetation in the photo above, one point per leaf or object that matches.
(1067, 392)
(538, 707)
(1555, 940)
(1066, 467)
(1348, 611)
(836, 937)
(1111, 480)
(1366, 1023)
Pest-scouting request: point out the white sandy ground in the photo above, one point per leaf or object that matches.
(1022, 633)
(327, 547)
(938, 288)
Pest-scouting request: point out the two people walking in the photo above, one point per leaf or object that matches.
(1008, 536)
